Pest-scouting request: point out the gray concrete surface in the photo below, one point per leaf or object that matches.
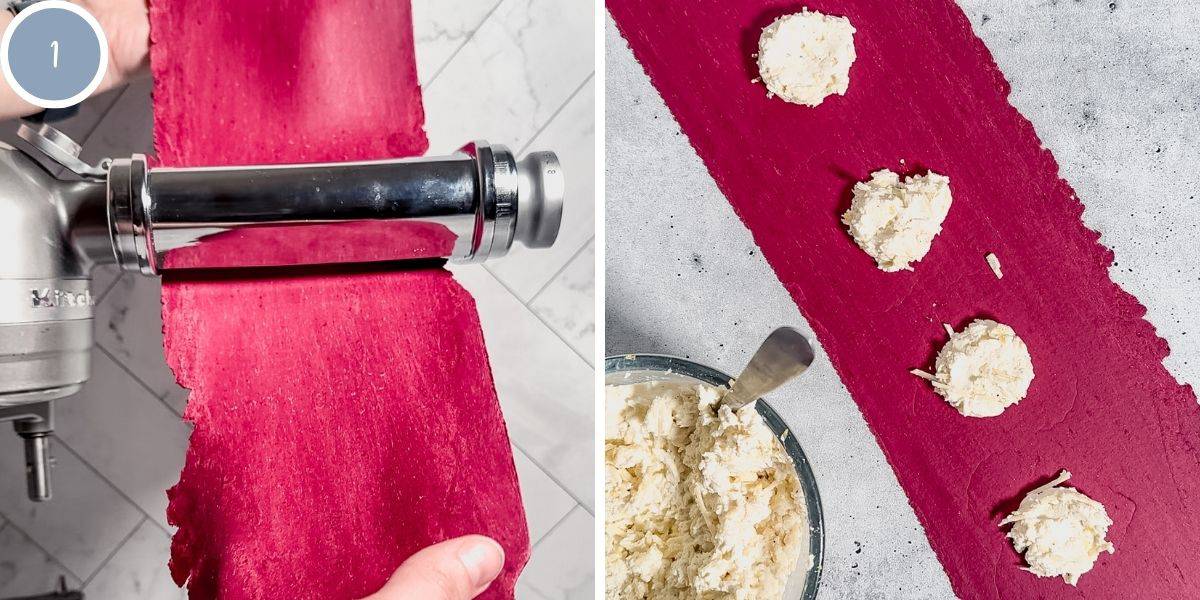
(1113, 88)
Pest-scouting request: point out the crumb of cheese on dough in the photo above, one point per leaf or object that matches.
(994, 263)
(1060, 531)
(699, 503)
(895, 221)
(982, 370)
(806, 56)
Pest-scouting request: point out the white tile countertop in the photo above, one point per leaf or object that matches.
(1112, 89)
(516, 72)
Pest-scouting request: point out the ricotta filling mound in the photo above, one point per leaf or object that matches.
(805, 57)
(699, 504)
(895, 221)
(1060, 530)
(982, 370)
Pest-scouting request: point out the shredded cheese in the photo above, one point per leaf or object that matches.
(982, 370)
(805, 57)
(1060, 530)
(699, 503)
(895, 221)
(994, 263)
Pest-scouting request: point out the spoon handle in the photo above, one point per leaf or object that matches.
(785, 354)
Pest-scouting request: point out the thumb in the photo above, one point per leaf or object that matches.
(457, 569)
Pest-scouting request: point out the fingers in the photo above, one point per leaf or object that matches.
(126, 24)
(457, 569)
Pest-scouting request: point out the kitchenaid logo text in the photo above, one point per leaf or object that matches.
(53, 298)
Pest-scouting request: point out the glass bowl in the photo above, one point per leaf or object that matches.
(641, 368)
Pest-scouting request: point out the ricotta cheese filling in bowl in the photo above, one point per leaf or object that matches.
(701, 503)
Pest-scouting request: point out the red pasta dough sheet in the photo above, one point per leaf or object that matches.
(926, 91)
(259, 82)
(344, 418)
(342, 422)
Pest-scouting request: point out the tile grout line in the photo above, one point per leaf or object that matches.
(551, 477)
(144, 385)
(531, 590)
(578, 251)
(109, 109)
(107, 559)
(540, 319)
(554, 527)
(39, 546)
(557, 111)
(120, 492)
(525, 147)
(466, 41)
(111, 287)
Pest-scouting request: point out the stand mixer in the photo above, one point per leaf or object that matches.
(467, 207)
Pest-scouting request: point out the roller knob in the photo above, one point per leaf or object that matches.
(540, 190)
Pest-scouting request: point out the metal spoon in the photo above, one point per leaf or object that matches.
(783, 355)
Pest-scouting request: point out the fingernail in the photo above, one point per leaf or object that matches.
(483, 559)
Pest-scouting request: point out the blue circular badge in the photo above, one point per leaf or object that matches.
(54, 54)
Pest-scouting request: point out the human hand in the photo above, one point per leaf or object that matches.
(457, 569)
(126, 24)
